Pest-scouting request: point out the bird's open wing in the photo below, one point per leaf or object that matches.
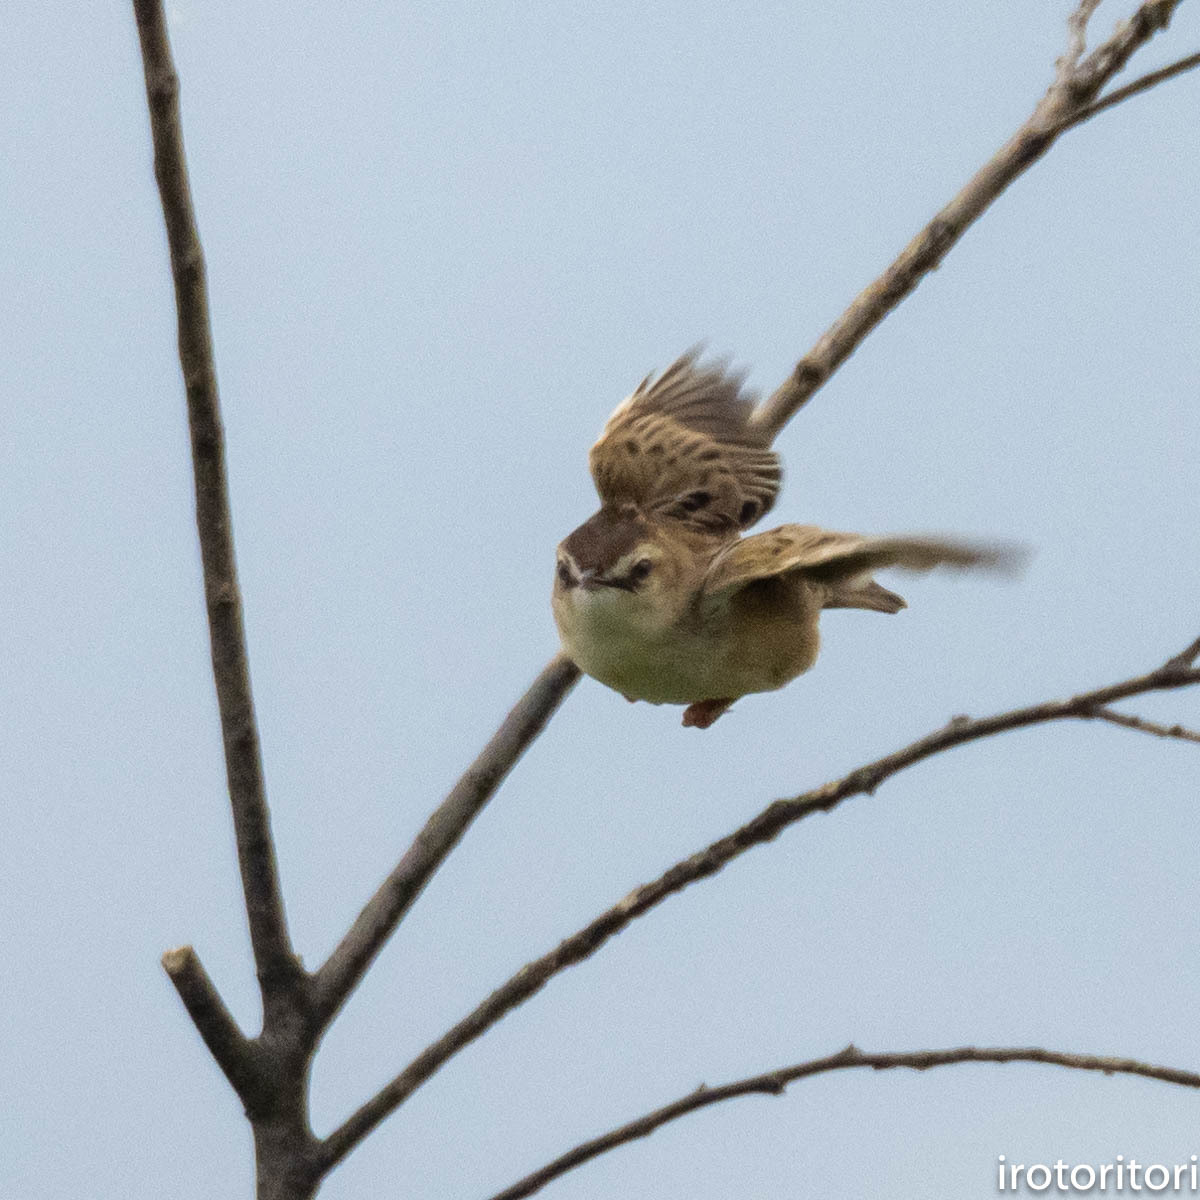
(840, 559)
(682, 446)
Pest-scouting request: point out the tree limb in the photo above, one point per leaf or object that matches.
(774, 1083)
(1068, 101)
(233, 1051)
(291, 1023)
(1062, 106)
(273, 955)
(1138, 85)
(1175, 673)
(441, 833)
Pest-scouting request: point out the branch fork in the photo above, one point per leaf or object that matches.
(269, 1072)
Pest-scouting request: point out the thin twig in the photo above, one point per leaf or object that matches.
(1067, 102)
(383, 912)
(773, 1083)
(1077, 40)
(1138, 85)
(766, 826)
(1130, 722)
(1077, 24)
(1186, 657)
(273, 955)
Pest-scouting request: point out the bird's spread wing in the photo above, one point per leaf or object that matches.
(840, 559)
(682, 447)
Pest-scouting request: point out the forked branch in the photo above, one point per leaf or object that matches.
(1069, 101)
(1179, 732)
(273, 957)
(1078, 81)
(1144, 83)
(297, 1007)
(1179, 671)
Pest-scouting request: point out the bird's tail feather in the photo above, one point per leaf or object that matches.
(868, 594)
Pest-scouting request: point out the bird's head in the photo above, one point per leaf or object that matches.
(619, 564)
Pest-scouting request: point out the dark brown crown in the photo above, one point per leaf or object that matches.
(604, 538)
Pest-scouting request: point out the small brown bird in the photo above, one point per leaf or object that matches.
(660, 597)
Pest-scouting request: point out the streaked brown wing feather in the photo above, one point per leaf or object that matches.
(682, 447)
(824, 556)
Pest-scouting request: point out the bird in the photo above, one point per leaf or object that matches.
(659, 595)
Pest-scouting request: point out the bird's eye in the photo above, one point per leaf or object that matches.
(640, 570)
(564, 574)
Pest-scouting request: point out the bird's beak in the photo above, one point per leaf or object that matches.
(590, 581)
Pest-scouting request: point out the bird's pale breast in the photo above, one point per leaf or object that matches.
(744, 650)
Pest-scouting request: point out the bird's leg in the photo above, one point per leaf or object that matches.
(704, 712)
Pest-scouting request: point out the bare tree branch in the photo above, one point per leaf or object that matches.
(763, 828)
(384, 911)
(1130, 722)
(1075, 86)
(380, 917)
(273, 955)
(1077, 24)
(233, 1051)
(774, 1083)
(1187, 656)
(1138, 85)
(297, 1008)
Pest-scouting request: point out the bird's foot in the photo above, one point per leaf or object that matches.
(704, 712)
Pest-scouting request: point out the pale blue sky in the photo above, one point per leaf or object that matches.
(443, 241)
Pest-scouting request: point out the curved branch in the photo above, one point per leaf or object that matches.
(1068, 101)
(1175, 673)
(441, 833)
(273, 955)
(774, 1083)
